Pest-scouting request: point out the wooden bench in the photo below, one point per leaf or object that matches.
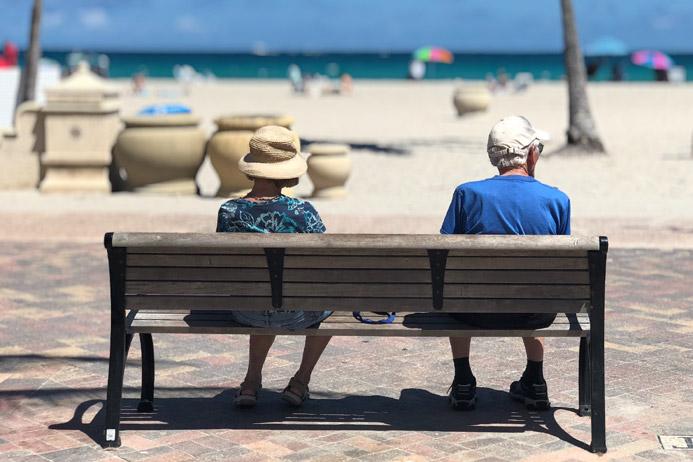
(186, 283)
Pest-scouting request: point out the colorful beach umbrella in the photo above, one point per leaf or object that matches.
(433, 55)
(652, 59)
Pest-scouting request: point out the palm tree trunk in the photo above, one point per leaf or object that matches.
(27, 83)
(582, 131)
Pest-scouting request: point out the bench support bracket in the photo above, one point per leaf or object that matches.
(275, 264)
(438, 260)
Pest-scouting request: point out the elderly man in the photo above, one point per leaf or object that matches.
(512, 202)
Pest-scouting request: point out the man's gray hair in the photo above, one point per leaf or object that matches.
(502, 157)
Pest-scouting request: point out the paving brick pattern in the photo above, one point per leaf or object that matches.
(373, 399)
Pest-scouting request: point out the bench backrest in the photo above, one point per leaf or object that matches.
(349, 272)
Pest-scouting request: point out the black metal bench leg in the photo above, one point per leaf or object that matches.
(584, 379)
(147, 398)
(597, 265)
(598, 399)
(116, 369)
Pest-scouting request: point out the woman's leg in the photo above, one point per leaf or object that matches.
(259, 346)
(315, 345)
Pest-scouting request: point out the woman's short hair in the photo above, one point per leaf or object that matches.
(288, 183)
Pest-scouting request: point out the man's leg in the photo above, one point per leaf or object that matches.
(534, 346)
(462, 394)
(531, 388)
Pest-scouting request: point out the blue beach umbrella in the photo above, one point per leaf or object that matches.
(164, 109)
(606, 46)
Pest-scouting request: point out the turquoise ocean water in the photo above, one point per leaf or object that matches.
(359, 65)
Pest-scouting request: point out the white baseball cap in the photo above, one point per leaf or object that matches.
(513, 135)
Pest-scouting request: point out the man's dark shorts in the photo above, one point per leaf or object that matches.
(506, 320)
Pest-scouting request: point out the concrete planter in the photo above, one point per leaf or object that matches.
(230, 143)
(471, 99)
(329, 167)
(161, 154)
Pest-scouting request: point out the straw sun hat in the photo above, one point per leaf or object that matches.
(275, 154)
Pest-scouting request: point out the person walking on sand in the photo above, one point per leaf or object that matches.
(512, 202)
(274, 162)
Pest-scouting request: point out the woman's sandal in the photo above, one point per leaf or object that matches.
(290, 394)
(247, 399)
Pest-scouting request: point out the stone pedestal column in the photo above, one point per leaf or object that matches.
(81, 123)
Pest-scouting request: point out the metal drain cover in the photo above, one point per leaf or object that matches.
(676, 441)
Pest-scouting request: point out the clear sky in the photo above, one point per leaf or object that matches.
(371, 25)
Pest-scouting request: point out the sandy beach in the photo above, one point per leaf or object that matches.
(411, 150)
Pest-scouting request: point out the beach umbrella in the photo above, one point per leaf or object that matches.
(606, 46)
(652, 59)
(433, 55)
(161, 109)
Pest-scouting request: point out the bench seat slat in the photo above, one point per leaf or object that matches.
(370, 241)
(163, 302)
(180, 288)
(357, 275)
(384, 262)
(341, 316)
(416, 325)
(355, 252)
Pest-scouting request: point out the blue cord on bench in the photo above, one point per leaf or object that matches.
(389, 320)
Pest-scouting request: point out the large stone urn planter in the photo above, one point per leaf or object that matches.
(160, 154)
(329, 167)
(230, 143)
(471, 98)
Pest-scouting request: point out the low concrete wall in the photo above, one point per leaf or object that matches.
(20, 148)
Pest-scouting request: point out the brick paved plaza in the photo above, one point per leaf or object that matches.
(373, 399)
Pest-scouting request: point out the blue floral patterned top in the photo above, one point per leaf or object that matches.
(282, 214)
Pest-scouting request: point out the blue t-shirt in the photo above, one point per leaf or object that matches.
(510, 204)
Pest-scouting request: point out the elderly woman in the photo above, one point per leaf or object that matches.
(273, 163)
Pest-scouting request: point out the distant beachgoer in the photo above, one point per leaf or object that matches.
(274, 162)
(502, 78)
(346, 84)
(661, 75)
(617, 72)
(138, 83)
(512, 202)
(10, 55)
(491, 82)
(417, 70)
(295, 78)
(592, 68)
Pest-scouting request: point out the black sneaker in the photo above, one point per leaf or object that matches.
(462, 396)
(535, 396)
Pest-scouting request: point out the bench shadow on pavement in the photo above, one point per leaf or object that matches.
(415, 410)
